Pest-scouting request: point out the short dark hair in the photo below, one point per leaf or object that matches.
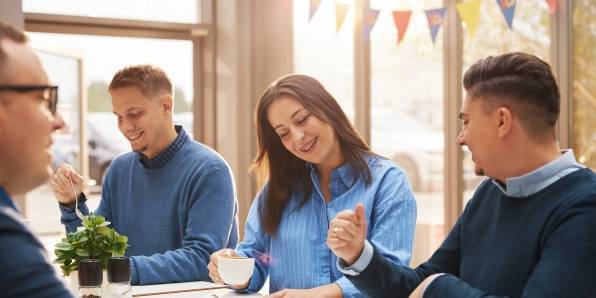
(521, 81)
(150, 79)
(11, 33)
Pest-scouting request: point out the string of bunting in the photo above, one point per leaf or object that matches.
(468, 11)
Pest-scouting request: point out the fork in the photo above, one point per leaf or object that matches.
(77, 211)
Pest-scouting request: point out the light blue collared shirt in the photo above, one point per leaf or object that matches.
(298, 257)
(516, 187)
(537, 180)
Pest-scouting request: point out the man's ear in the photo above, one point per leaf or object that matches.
(504, 121)
(166, 103)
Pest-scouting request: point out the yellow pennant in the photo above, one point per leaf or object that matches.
(341, 10)
(469, 12)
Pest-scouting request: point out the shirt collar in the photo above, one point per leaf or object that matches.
(342, 177)
(533, 182)
(5, 200)
(167, 154)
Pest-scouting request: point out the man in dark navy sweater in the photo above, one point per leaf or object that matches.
(529, 231)
(27, 119)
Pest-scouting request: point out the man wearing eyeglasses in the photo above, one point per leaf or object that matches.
(27, 119)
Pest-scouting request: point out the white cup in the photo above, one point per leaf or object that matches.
(235, 270)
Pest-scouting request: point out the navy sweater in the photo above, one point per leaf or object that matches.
(543, 245)
(24, 267)
(175, 216)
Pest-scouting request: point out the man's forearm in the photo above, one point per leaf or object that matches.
(383, 278)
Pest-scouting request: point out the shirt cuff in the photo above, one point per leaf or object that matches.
(360, 264)
(81, 198)
(134, 275)
(348, 290)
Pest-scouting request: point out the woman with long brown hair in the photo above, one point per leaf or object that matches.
(315, 165)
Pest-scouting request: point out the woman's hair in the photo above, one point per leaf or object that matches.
(285, 172)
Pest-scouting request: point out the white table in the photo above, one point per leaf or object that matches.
(195, 289)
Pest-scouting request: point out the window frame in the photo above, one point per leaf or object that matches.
(561, 51)
(199, 34)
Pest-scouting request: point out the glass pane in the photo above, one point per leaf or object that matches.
(183, 11)
(63, 71)
(324, 54)
(530, 34)
(407, 112)
(102, 57)
(584, 82)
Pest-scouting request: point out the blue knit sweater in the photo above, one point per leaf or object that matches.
(175, 216)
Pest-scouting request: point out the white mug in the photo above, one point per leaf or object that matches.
(235, 270)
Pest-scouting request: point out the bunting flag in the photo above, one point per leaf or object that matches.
(508, 9)
(314, 6)
(401, 20)
(469, 12)
(435, 21)
(370, 18)
(552, 6)
(341, 10)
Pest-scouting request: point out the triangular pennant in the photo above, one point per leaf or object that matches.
(401, 20)
(435, 21)
(508, 9)
(314, 5)
(469, 12)
(341, 10)
(370, 19)
(552, 6)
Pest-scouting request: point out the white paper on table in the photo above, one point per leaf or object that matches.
(174, 287)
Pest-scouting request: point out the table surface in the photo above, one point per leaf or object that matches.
(196, 289)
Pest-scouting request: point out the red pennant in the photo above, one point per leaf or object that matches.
(552, 6)
(401, 20)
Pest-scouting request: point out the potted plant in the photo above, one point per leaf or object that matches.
(94, 240)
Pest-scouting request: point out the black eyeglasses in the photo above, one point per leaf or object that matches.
(49, 93)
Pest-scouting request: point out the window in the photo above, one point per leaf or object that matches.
(65, 72)
(584, 82)
(407, 112)
(102, 57)
(324, 54)
(407, 94)
(530, 33)
(184, 11)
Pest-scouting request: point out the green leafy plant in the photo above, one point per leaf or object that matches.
(94, 240)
